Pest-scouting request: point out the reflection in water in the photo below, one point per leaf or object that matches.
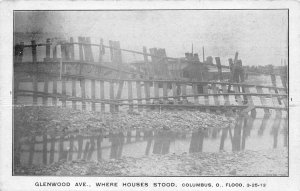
(197, 139)
(117, 142)
(247, 134)
(162, 141)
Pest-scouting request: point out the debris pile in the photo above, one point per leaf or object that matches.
(35, 120)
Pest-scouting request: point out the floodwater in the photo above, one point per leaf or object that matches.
(263, 132)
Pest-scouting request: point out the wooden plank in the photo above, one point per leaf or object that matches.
(63, 69)
(119, 93)
(82, 87)
(118, 58)
(206, 99)
(45, 98)
(89, 49)
(85, 49)
(237, 97)
(148, 68)
(195, 92)
(165, 92)
(147, 91)
(64, 92)
(55, 52)
(183, 88)
(93, 96)
(174, 90)
(262, 99)
(111, 52)
(54, 91)
(74, 92)
(34, 78)
(63, 52)
(226, 98)
(139, 94)
(154, 61)
(156, 89)
(80, 40)
(129, 83)
(215, 91)
(33, 51)
(102, 95)
(48, 46)
(72, 50)
(101, 51)
(111, 96)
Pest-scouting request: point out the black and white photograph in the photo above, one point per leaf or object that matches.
(149, 96)
(151, 93)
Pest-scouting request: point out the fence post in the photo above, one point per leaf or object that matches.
(82, 86)
(195, 92)
(63, 79)
(74, 92)
(206, 98)
(48, 46)
(130, 95)
(35, 76)
(54, 91)
(174, 91)
(72, 53)
(118, 59)
(101, 51)
(102, 95)
(147, 91)
(139, 94)
(165, 92)
(93, 95)
(80, 40)
(45, 98)
(111, 96)
(90, 51)
(54, 52)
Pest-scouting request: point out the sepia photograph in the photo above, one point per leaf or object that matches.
(150, 93)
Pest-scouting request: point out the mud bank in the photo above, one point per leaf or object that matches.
(244, 163)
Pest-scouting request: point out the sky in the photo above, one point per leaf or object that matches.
(260, 36)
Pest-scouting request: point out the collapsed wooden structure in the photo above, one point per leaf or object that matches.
(158, 83)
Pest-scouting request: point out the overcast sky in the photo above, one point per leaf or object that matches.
(259, 36)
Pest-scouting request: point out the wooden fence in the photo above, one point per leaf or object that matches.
(143, 88)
